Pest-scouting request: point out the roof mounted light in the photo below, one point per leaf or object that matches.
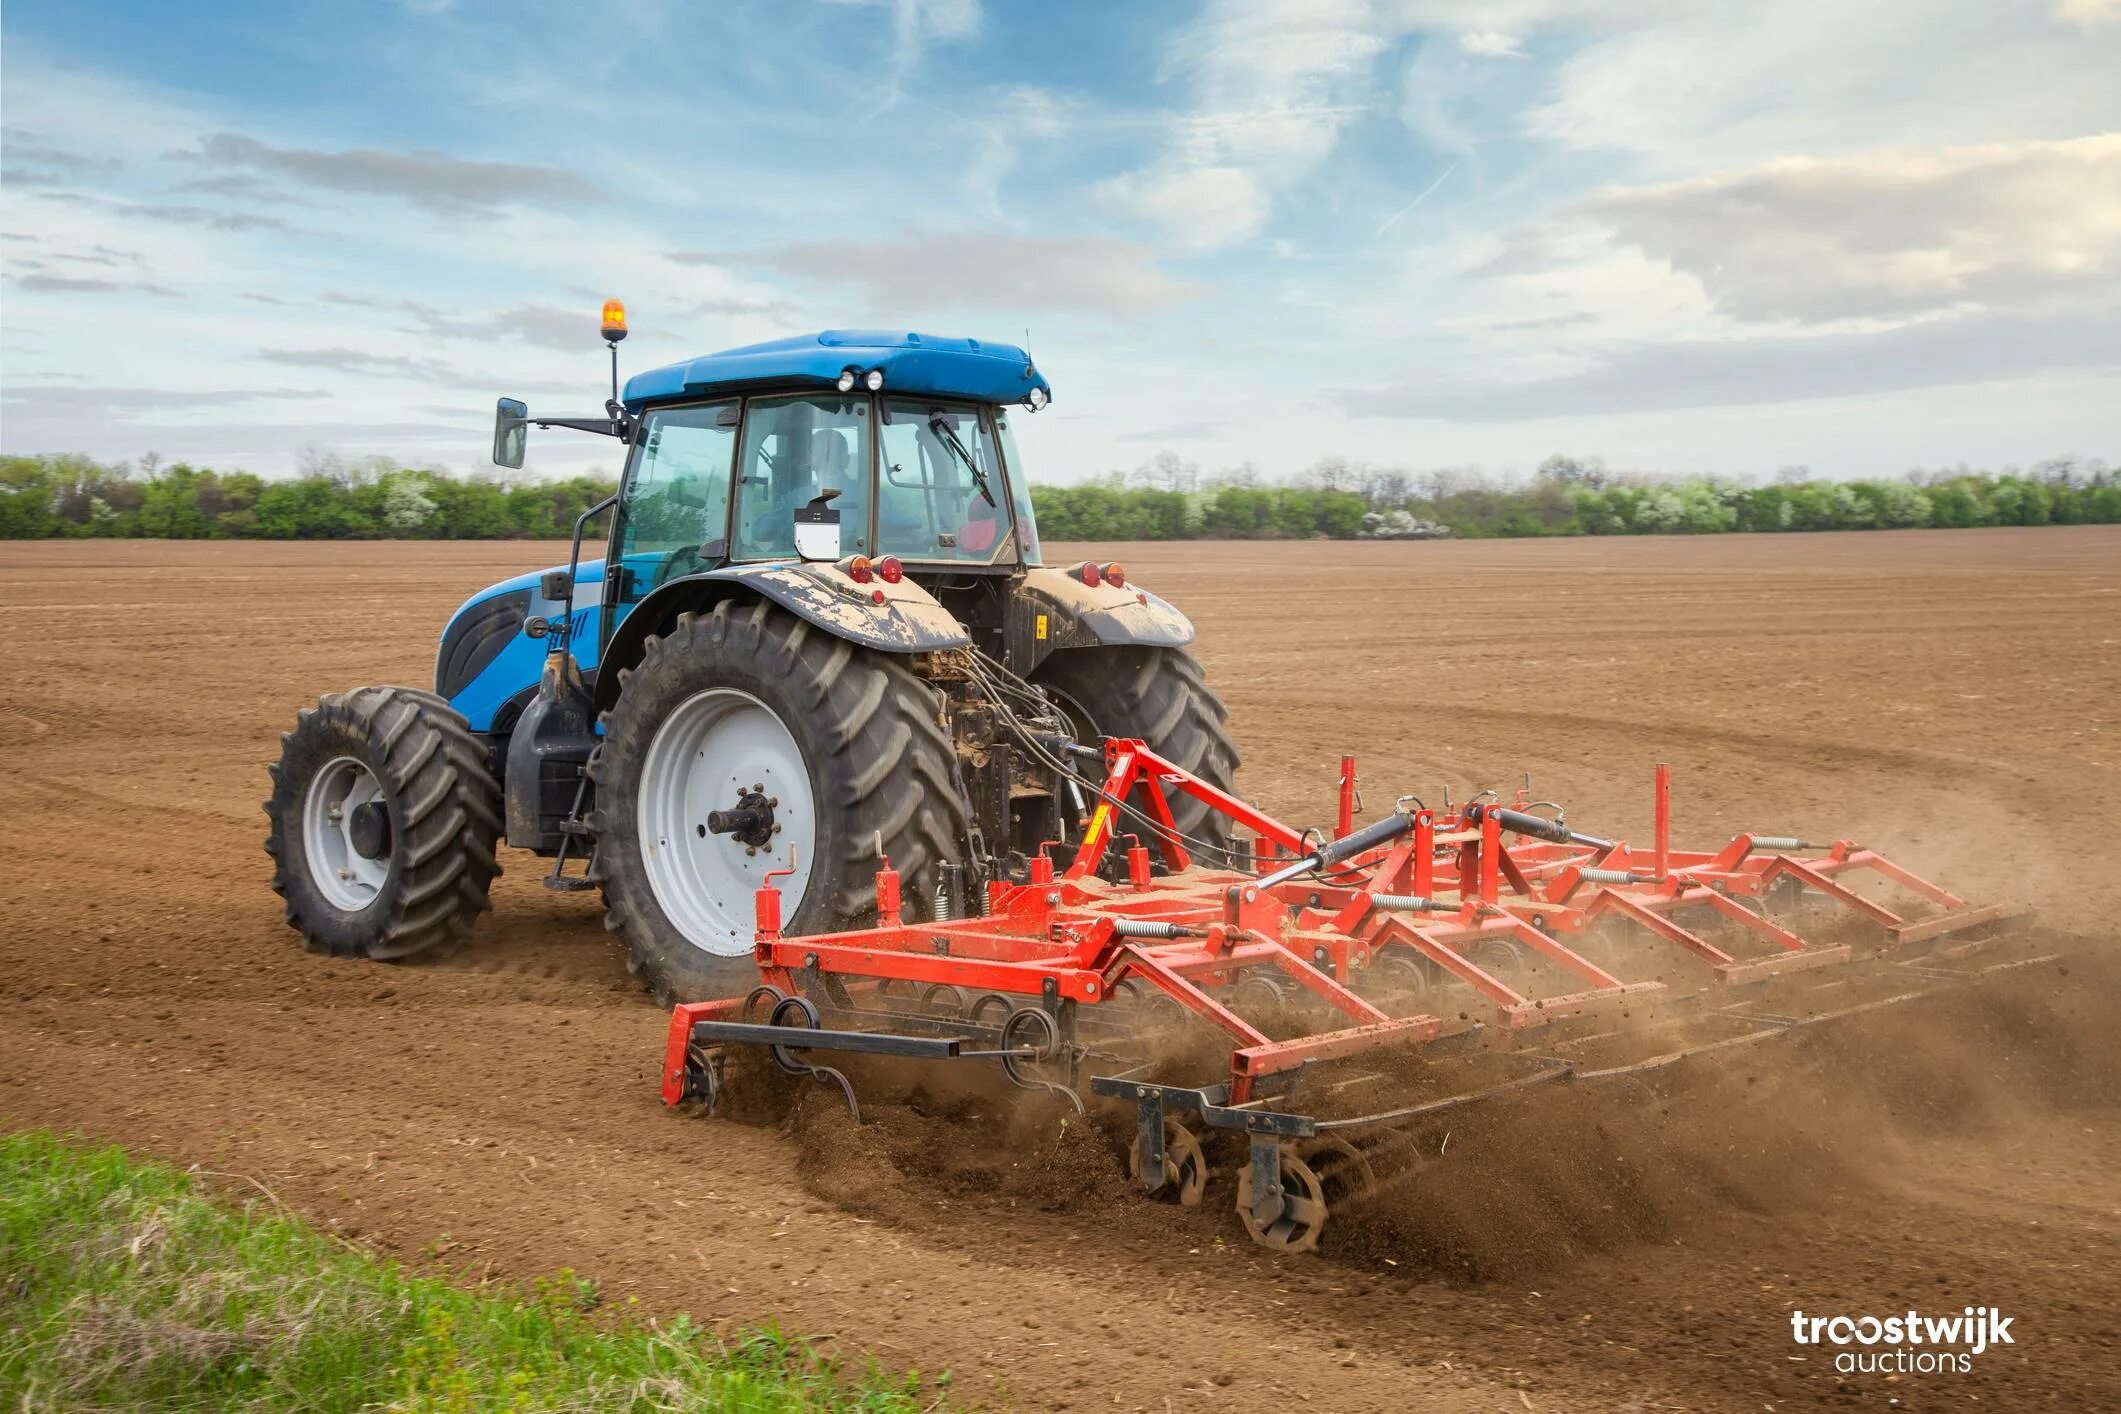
(873, 380)
(614, 328)
(846, 380)
(1035, 399)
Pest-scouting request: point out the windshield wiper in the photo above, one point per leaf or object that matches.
(948, 435)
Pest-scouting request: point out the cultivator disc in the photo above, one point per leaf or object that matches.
(1343, 991)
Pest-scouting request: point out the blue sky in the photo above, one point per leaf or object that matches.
(1692, 237)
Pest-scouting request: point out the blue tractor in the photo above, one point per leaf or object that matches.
(821, 634)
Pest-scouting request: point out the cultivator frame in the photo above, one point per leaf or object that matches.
(1064, 965)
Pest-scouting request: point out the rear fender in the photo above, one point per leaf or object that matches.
(906, 619)
(1057, 610)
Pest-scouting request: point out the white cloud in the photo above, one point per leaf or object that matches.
(1026, 112)
(915, 24)
(1722, 85)
(1200, 208)
(1889, 235)
(2088, 14)
(918, 24)
(1274, 82)
(1439, 87)
(1491, 44)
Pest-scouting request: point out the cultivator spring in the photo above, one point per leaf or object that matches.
(1306, 954)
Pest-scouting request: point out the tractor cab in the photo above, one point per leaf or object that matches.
(849, 448)
(933, 482)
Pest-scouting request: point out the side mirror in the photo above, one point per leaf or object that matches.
(511, 430)
(817, 528)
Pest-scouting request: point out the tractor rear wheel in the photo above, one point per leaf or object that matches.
(1159, 696)
(747, 742)
(384, 825)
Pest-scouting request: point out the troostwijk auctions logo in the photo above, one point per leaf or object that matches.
(1909, 1343)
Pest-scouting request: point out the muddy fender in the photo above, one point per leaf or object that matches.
(892, 618)
(1064, 612)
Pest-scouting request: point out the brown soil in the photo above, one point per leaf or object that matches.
(1949, 697)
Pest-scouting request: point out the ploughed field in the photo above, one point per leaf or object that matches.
(1949, 697)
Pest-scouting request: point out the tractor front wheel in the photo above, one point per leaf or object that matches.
(384, 825)
(749, 745)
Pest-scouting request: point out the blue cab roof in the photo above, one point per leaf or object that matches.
(926, 364)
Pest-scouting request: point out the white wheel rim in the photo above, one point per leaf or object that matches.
(347, 880)
(714, 747)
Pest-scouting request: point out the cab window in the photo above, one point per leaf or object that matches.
(940, 493)
(676, 511)
(1019, 489)
(794, 448)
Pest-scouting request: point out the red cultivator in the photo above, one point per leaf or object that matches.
(1303, 952)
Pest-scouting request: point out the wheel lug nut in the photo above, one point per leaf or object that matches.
(758, 787)
(751, 849)
(776, 829)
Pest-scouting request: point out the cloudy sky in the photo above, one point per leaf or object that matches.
(1691, 236)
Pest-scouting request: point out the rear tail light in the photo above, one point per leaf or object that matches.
(1091, 574)
(889, 570)
(1116, 576)
(859, 569)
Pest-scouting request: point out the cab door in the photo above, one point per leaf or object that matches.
(673, 516)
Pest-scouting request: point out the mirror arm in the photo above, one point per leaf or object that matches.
(620, 426)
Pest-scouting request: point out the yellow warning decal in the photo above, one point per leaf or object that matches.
(1097, 822)
(1042, 628)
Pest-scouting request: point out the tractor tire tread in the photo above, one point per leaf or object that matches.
(887, 774)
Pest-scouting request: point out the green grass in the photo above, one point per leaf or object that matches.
(122, 1285)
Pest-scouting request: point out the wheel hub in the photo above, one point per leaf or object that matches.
(751, 823)
(368, 830)
(346, 834)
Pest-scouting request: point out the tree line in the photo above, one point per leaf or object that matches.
(1166, 499)
(51, 496)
